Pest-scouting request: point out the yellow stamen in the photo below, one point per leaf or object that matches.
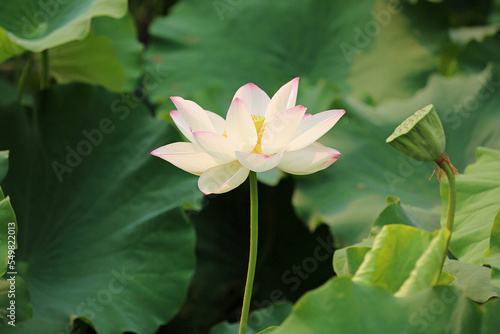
(259, 127)
(258, 121)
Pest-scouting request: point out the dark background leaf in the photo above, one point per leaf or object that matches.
(104, 237)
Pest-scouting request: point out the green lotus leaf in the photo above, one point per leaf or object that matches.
(269, 330)
(473, 280)
(128, 50)
(4, 164)
(42, 25)
(101, 230)
(427, 269)
(346, 261)
(8, 49)
(8, 235)
(110, 56)
(91, 61)
(493, 254)
(479, 52)
(21, 307)
(478, 202)
(397, 213)
(340, 302)
(445, 278)
(403, 259)
(490, 320)
(465, 35)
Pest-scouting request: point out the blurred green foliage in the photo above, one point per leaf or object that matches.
(84, 98)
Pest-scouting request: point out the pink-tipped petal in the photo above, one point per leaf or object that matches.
(312, 128)
(255, 99)
(308, 160)
(182, 124)
(216, 145)
(280, 130)
(285, 98)
(193, 114)
(186, 156)
(240, 126)
(222, 178)
(259, 162)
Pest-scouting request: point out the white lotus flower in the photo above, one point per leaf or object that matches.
(258, 135)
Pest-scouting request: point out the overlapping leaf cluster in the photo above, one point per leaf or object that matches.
(107, 239)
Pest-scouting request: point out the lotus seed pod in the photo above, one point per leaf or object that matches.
(420, 136)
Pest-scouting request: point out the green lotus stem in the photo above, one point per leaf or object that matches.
(24, 75)
(252, 262)
(452, 202)
(45, 79)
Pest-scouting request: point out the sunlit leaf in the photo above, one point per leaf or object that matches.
(473, 280)
(128, 50)
(340, 302)
(91, 60)
(346, 261)
(428, 267)
(41, 25)
(478, 202)
(8, 48)
(110, 56)
(403, 259)
(493, 253)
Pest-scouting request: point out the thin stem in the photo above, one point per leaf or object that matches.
(452, 203)
(22, 79)
(452, 200)
(45, 80)
(254, 231)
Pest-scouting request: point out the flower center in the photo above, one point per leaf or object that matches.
(258, 121)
